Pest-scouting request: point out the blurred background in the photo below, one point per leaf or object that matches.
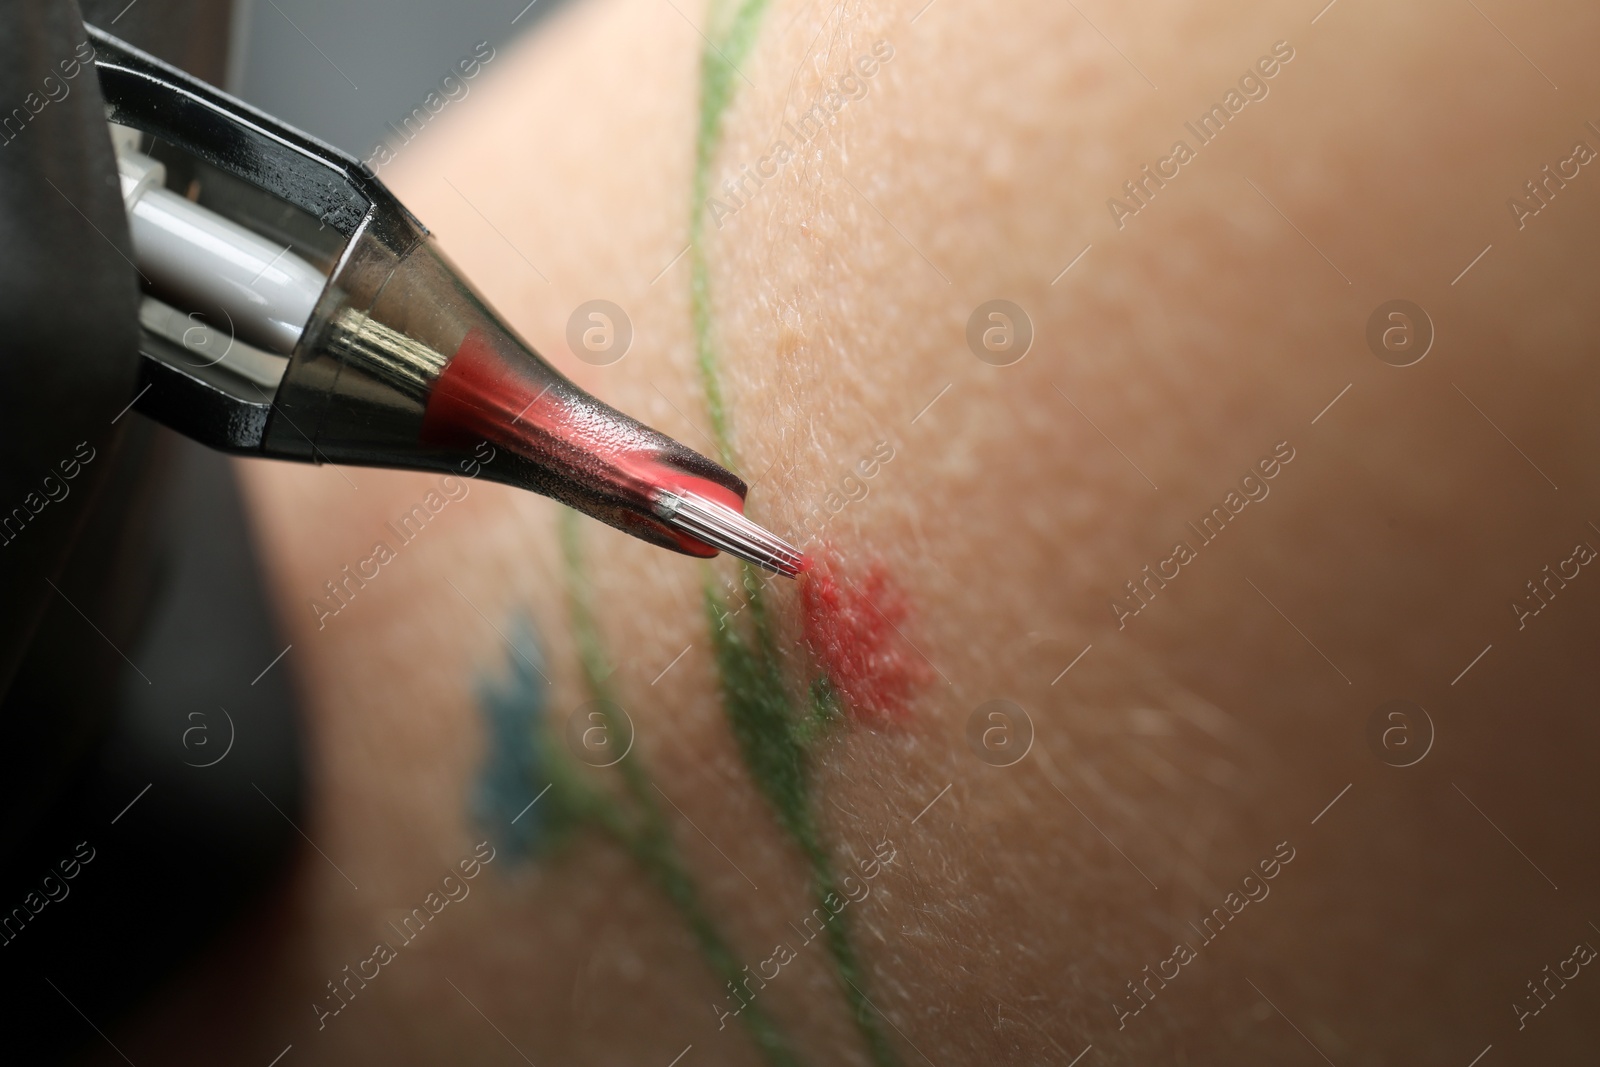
(345, 72)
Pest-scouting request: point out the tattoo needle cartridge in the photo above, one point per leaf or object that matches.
(292, 308)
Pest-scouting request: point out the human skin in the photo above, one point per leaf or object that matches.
(1190, 742)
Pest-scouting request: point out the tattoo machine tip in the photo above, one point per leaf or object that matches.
(724, 528)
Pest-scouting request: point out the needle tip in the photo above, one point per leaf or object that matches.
(724, 528)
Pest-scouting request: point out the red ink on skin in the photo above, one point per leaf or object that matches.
(523, 406)
(851, 629)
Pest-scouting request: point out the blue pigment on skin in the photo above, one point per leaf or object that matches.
(517, 763)
(525, 762)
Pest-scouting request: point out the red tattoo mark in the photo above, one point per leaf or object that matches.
(851, 627)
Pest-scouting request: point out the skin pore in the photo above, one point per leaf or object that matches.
(1160, 876)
